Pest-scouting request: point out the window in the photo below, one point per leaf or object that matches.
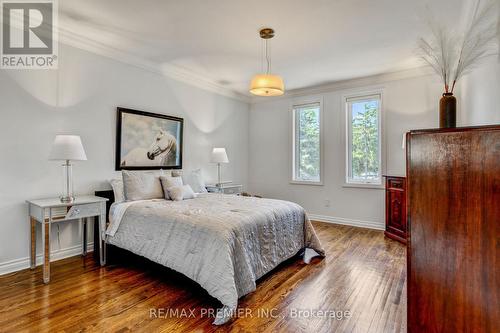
(307, 143)
(364, 140)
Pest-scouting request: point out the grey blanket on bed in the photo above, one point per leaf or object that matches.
(223, 242)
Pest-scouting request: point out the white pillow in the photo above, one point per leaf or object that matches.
(195, 180)
(139, 185)
(178, 193)
(168, 182)
(117, 186)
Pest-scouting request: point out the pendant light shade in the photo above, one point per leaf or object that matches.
(267, 84)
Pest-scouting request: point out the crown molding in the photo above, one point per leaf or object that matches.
(186, 76)
(351, 83)
(74, 39)
(180, 74)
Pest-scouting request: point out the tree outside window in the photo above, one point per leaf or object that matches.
(307, 143)
(364, 140)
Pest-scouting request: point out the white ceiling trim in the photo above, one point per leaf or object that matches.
(74, 39)
(180, 74)
(96, 29)
(70, 35)
(351, 83)
(177, 73)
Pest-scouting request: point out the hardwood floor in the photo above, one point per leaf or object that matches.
(363, 273)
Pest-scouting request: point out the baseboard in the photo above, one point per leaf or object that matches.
(349, 222)
(23, 263)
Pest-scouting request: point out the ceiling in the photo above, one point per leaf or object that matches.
(317, 41)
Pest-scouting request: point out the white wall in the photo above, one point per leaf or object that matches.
(480, 94)
(408, 104)
(81, 98)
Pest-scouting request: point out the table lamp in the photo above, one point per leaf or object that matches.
(219, 156)
(67, 148)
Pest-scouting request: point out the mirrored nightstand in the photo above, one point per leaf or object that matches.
(226, 189)
(52, 210)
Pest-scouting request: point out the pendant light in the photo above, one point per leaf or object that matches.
(267, 84)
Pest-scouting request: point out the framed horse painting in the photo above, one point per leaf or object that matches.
(146, 141)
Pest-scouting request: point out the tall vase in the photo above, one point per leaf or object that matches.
(448, 111)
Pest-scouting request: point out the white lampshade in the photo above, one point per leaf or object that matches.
(267, 85)
(67, 147)
(219, 156)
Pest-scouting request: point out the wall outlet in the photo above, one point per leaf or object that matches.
(327, 202)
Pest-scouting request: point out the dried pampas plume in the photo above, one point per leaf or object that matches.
(452, 54)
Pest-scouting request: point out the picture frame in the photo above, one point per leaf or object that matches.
(148, 141)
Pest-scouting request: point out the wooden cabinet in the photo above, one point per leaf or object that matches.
(395, 208)
(453, 224)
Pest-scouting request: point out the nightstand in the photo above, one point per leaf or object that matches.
(52, 210)
(225, 189)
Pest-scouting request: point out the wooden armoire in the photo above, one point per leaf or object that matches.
(453, 184)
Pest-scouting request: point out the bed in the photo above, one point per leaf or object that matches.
(223, 242)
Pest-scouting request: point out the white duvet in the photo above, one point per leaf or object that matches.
(223, 242)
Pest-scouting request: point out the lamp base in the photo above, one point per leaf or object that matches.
(67, 199)
(67, 194)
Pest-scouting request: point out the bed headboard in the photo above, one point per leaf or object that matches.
(108, 194)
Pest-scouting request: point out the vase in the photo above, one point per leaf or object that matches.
(448, 111)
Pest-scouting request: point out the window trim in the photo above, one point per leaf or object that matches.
(303, 102)
(360, 95)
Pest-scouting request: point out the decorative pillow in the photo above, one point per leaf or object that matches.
(139, 185)
(183, 192)
(195, 180)
(168, 182)
(117, 186)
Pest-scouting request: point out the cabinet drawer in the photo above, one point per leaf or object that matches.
(86, 210)
(395, 183)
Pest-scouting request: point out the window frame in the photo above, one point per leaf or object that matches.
(347, 114)
(293, 165)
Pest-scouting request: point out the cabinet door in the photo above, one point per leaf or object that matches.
(397, 213)
(454, 196)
